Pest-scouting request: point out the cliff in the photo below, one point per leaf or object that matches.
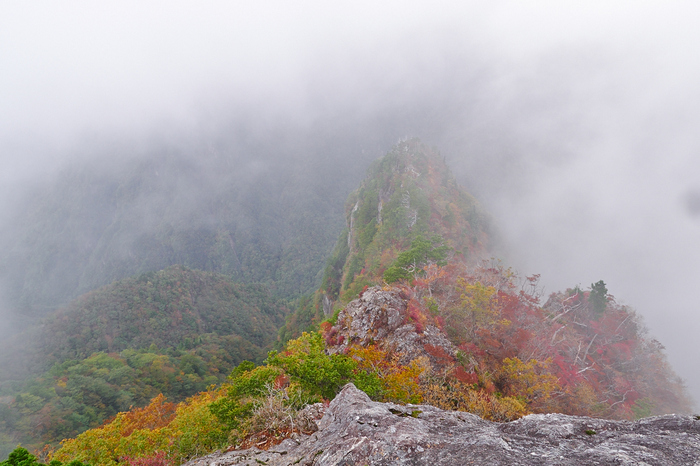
(407, 213)
(356, 430)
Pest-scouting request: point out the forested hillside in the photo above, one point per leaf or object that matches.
(409, 310)
(471, 339)
(173, 332)
(135, 210)
(409, 211)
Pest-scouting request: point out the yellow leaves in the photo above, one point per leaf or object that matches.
(530, 380)
(195, 430)
(370, 359)
(478, 301)
(183, 431)
(504, 323)
(461, 397)
(400, 383)
(476, 295)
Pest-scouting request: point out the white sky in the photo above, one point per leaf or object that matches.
(581, 135)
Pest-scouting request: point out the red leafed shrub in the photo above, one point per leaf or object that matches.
(329, 333)
(465, 377)
(440, 321)
(281, 381)
(441, 356)
(471, 348)
(413, 312)
(325, 327)
(363, 289)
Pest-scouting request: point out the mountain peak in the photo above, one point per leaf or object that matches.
(407, 213)
(408, 195)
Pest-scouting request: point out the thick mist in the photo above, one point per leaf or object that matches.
(576, 127)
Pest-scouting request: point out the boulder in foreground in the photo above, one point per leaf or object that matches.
(356, 430)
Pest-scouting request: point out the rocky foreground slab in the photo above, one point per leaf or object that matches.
(356, 431)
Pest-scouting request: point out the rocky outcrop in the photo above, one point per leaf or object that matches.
(356, 431)
(379, 316)
(372, 317)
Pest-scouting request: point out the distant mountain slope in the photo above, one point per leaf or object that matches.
(174, 332)
(408, 212)
(171, 308)
(254, 213)
(444, 327)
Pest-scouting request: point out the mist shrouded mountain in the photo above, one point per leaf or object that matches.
(445, 328)
(410, 224)
(261, 219)
(408, 211)
(464, 333)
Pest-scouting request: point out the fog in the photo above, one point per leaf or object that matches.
(576, 126)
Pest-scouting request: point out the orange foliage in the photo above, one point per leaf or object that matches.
(439, 354)
(463, 376)
(158, 413)
(158, 435)
(400, 382)
(460, 397)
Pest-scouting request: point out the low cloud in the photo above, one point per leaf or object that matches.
(576, 126)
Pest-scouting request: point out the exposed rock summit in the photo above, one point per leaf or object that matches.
(379, 316)
(356, 431)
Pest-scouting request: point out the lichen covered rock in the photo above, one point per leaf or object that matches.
(379, 317)
(355, 431)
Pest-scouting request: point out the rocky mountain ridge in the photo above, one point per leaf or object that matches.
(378, 316)
(356, 430)
(353, 429)
(408, 310)
(408, 211)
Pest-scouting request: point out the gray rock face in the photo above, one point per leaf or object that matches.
(356, 431)
(372, 317)
(379, 316)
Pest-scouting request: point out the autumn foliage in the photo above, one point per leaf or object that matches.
(507, 356)
(579, 353)
(159, 434)
(488, 341)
